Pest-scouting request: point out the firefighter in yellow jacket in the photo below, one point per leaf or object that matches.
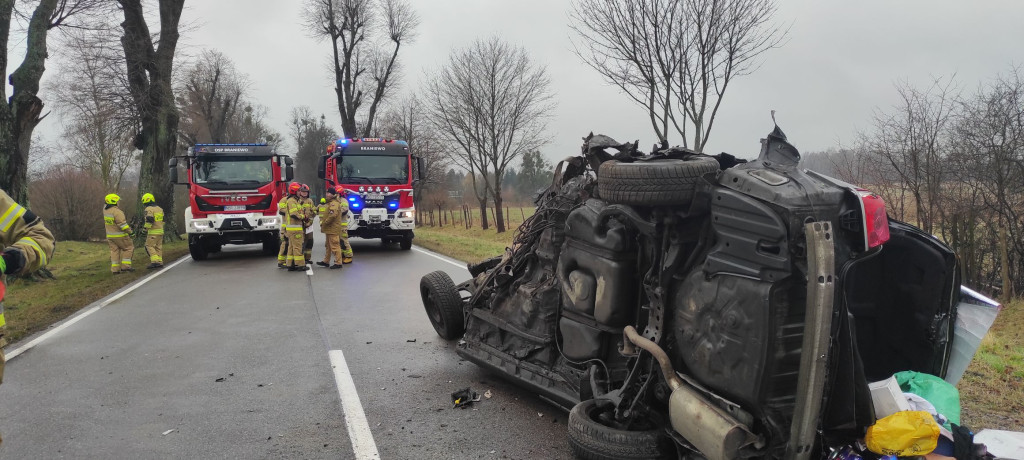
(330, 224)
(346, 252)
(282, 210)
(27, 246)
(154, 231)
(309, 210)
(119, 235)
(294, 229)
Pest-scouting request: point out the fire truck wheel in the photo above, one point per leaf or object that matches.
(406, 243)
(197, 250)
(270, 247)
(443, 305)
(652, 183)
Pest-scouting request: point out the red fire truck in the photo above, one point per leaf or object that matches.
(233, 190)
(378, 176)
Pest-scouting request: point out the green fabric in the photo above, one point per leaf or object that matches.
(940, 393)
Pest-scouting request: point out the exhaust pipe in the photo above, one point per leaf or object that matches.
(715, 433)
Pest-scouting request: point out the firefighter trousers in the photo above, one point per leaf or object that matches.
(282, 255)
(295, 257)
(155, 248)
(346, 252)
(307, 245)
(333, 248)
(121, 249)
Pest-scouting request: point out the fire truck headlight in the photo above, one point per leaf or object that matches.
(404, 214)
(269, 221)
(201, 224)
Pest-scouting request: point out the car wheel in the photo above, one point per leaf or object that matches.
(406, 243)
(591, 439)
(652, 183)
(443, 305)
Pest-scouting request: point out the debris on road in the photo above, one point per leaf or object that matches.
(414, 376)
(220, 379)
(411, 340)
(169, 431)
(487, 394)
(464, 397)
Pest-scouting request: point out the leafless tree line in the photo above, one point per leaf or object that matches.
(952, 163)
(675, 58)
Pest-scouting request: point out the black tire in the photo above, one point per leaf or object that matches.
(443, 305)
(197, 250)
(591, 440)
(271, 247)
(652, 183)
(406, 243)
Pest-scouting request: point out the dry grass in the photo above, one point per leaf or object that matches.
(83, 276)
(992, 389)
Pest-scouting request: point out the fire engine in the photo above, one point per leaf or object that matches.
(379, 176)
(233, 190)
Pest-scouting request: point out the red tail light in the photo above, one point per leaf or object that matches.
(876, 223)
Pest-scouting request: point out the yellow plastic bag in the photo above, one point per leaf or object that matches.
(904, 434)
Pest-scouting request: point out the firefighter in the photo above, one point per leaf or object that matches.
(310, 212)
(346, 252)
(282, 210)
(154, 231)
(119, 236)
(320, 211)
(27, 246)
(294, 229)
(330, 225)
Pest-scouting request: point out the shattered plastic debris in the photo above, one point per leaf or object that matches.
(464, 397)
(169, 431)
(487, 394)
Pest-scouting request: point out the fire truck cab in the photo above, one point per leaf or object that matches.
(379, 176)
(233, 190)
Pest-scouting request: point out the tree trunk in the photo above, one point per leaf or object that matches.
(19, 119)
(483, 214)
(499, 217)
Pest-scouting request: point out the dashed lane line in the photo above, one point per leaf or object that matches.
(355, 418)
(78, 317)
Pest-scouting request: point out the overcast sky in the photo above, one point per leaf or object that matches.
(838, 64)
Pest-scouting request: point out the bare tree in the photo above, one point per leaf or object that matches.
(990, 158)
(911, 142)
(149, 68)
(20, 114)
(675, 58)
(493, 102)
(311, 135)
(210, 99)
(365, 36)
(99, 123)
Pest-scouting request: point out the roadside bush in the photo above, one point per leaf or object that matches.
(70, 202)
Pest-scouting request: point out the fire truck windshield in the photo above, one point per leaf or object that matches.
(229, 172)
(366, 169)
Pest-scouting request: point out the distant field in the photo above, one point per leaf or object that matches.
(83, 276)
(992, 389)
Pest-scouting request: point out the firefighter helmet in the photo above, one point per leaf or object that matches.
(323, 200)
(111, 198)
(339, 190)
(294, 187)
(148, 198)
(304, 188)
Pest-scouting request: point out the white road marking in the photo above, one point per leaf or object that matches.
(82, 314)
(355, 419)
(440, 257)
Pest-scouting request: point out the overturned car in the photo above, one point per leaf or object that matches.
(693, 306)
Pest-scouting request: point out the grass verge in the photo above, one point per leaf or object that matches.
(467, 245)
(991, 391)
(83, 276)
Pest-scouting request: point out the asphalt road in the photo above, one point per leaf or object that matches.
(244, 360)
